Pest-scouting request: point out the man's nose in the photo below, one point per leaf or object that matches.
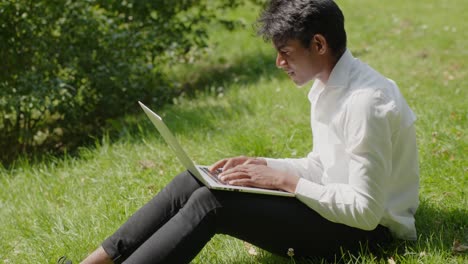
(280, 61)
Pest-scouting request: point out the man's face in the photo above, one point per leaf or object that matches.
(300, 63)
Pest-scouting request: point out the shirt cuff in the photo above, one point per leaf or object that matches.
(275, 164)
(309, 189)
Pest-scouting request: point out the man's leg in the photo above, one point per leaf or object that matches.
(146, 221)
(184, 235)
(278, 224)
(270, 222)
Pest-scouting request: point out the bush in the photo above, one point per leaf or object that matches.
(68, 66)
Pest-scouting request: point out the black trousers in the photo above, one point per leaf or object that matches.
(177, 223)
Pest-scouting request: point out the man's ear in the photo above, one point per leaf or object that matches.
(320, 43)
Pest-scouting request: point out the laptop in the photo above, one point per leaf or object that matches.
(202, 173)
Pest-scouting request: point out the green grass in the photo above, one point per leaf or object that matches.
(243, 105)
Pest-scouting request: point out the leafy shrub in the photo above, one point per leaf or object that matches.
(68, 66)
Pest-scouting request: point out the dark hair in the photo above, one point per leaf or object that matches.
(283, 20)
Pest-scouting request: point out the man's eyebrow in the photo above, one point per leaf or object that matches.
(281, 47)
(279, 44)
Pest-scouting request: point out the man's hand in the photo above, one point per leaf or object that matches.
(253, 172)
(229, 163)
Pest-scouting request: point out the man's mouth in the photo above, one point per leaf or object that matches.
(290, 73)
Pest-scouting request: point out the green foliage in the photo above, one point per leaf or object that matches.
(68, 66)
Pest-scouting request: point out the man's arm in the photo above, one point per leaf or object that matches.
(309, 168)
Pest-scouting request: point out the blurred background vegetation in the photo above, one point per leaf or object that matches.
(69, 67)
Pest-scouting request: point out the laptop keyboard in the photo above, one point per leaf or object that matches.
(214, 175)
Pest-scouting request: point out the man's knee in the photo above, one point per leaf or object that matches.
(183, 177)
(183, 183)
(201, 203)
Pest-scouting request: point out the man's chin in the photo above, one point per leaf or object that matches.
(299, 83)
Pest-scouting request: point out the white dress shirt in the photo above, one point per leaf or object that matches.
(363, 169)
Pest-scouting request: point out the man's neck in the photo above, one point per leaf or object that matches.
(329, 65)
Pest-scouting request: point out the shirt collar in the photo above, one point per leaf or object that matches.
(330, 92)
(340, 74)
(338, 77)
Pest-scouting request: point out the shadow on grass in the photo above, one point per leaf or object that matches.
(437, 229)
(243, 70)
(211, 80)
(440, 227)
(180, 121)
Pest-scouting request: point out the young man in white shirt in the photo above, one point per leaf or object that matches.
(358, 184)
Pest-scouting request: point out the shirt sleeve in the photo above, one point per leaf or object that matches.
(309, 168)
(360, 200)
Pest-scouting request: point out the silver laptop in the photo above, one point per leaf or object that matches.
(202, 173)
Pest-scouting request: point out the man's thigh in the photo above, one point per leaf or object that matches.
(278, 224)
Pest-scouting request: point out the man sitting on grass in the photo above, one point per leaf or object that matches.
(358, 185)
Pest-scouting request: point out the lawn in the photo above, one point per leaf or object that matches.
(242, 104)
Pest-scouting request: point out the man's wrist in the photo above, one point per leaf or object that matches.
(261, 161)
(288, 182)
